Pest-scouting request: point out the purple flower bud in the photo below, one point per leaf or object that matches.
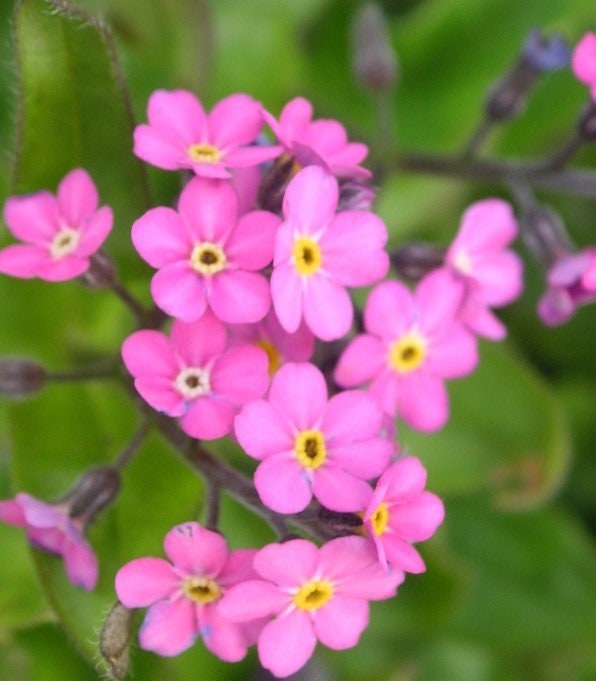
(546, 53)
(374, 59)
(20, 378)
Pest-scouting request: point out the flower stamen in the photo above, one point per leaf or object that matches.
(192, 382)
(313, 595)
(407, 353)
(204, 153)
(201, 589)
(310, 448)
(207, 258)
(306, 255)
(64, 243)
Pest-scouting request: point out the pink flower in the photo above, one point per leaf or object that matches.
(183, 594)
(478, 257)
(401, 512)
(320, 142)
(413, 342)
(206, 257)
(571, 283)
(50, 527)
(191, 375)
(315, 594)
(318, 253)
(181, 135)
(308, 445)
(280, 346)
(583, 61)
(60, 232)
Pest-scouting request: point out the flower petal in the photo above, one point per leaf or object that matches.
(328, 309)
(179, 292)
(195, 549)
(281, 485)
(339, 623)
(169, 627)
(77, 197)
(239, 297)
(144, 581)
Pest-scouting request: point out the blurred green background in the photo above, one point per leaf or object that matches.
(510, 590)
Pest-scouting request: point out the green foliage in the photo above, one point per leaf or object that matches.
(509, 592)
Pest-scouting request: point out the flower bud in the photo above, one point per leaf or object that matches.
(96, 489)
(586, 124)
(374, 59)
(355, 194)
(414, 261)
(114, 640)
(101, 273)
(20, 378)
(545, 235)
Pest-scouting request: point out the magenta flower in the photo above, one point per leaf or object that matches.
(309, 446)
(401, 512)
(315, 594)
(60, 233)
(413, 342)
(181, 135)
(478, 257)
(320, 142)
(50, 528)
(192, 376)
(183, 594)
(318, 253)
(571, 283)
(280, 346)
(206, 257)
(583, 62)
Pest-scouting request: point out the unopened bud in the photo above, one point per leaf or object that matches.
(587, 122)
(355, 195)
(96, 489)
(414, 261)
(114, 640)
(274, 183)
(545, 235)
(101, 273)
(374, 59)
(20, 378)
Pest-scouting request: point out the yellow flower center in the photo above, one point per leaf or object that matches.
(64, 243)
(306, 255)
(310, 448)
(313, 595)
(204, 153)
(272, 353)
(201, 589)
(207, 258)
(379, 519)
(407, 353)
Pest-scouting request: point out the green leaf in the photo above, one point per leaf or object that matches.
(506, 435)
(74, 109)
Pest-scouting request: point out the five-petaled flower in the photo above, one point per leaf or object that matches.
(182, 593)
(60, 233)
(316, 594)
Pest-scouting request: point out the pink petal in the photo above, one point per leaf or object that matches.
(281, 485)
(293, 121)
(583, 60)
(386, 389)
(419, 518)
(250, 245)
(23, 261)
(300, 393)
(161, 238)
(352, 248)
(423, 401)
(389, 310)
(81, 564)
(12, 513)
(438, 296)
(365, 459)
(179, 292)
(251, 600)
(178, 115)
(498, 277)
(144, 581)
(159, 149)
(199, 342)
(39, 514)
(363, 358)
(239, 297)
(238, 568)
(328, 309)
(310, 200)
(95, 231)
(159, 392)
(339, 623)
(351, 415)
(209, 207)
(487, 225)
(149, 353)
(77, 197)
(287, 643)
(262, 431)
(241, 374)
(289, 564)
(235, 120)
(453, 354)
(340, 491)
(481, 321)
(286, 294)
(246, 157)
(62, 270)
(33, 218)
(220, 636)
(401, 555)
(169, 627)
(195, 549)
(208, 418)
(404, 481)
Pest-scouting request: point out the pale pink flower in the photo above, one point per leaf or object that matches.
(181, 135)
(583, 61)
(319, 252)
(320, 142)
(571, 282)
(60, 233)
(280, 346)
(191, 374)
(315, 594)
(206, 256)
(478, 257)
(50, 527)
(183, 592)
(401, 512)
(308, 445)
(413, 342)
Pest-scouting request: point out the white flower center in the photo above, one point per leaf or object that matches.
(64, 243)
(192, 382)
